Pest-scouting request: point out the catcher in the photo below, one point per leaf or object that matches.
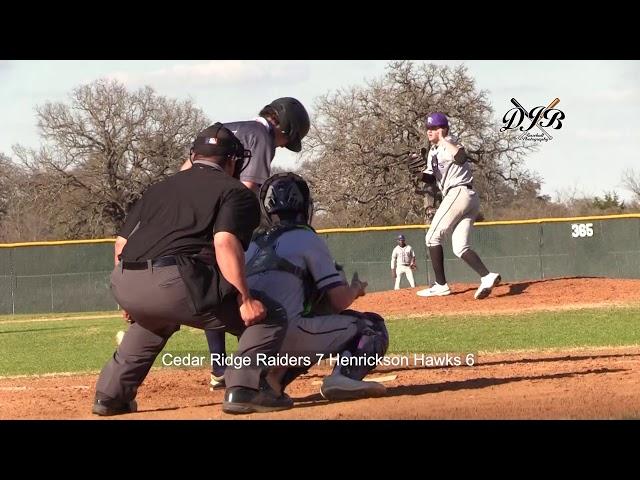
(292, 265)
(446, 165)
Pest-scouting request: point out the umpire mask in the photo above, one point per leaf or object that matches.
(216, 141)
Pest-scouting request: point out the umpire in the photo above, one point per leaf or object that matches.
(174, 271)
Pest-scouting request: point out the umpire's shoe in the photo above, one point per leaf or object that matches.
(246, 400)
(107, 408)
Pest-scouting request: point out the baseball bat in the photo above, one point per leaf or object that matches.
(517, 104)
(553, 103)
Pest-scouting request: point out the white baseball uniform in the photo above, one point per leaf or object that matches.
(401, 260)
(460, 203)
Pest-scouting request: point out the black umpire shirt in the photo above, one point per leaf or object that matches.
(179, 215)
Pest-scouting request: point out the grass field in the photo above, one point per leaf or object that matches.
(83, 342)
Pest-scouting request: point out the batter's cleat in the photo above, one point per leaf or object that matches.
(107, 408)
(487, 282)
(216, 383)
(238, 400)
(338, 387)
(436, 290)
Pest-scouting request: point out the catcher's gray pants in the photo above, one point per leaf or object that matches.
(159, 303)
(325, 334)
(314, 338)
(456, 213)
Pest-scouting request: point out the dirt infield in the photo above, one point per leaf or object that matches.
(551, 294)
(587, 383)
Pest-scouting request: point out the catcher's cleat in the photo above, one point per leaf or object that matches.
(216, 383)
(487, 282)
(107, 408)
(239, 400)
(338, 387)
(436, 290)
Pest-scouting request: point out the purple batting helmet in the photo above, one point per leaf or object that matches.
(437, 119)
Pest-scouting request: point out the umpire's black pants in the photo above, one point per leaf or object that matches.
(158, 302)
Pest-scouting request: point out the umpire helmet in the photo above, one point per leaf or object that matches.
(286, 196)
(293, 120)
(219, 141)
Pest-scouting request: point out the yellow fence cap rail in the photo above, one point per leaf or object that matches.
(485, 224)
(358, 229)
(57, 242)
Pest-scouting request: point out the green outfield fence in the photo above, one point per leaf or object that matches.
(66, 276)
(73, 276)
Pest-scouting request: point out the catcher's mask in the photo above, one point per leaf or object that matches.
(219, 141)
(286, 196)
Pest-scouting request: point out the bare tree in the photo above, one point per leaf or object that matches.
(6, 184)
(361, 136)
(102, 150)
(631, 181)
(21, 217)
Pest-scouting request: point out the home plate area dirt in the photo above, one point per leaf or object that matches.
(593, 383)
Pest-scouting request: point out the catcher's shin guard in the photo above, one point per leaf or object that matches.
(368, 347)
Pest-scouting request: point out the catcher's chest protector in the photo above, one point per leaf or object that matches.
(266, 259)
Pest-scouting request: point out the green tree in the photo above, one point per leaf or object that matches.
(610, 201)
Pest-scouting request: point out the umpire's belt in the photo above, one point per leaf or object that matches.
(158, 262)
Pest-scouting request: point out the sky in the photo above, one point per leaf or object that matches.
(600, 136)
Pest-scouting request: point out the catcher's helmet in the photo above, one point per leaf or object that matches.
(293, 120)
(286, 195)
